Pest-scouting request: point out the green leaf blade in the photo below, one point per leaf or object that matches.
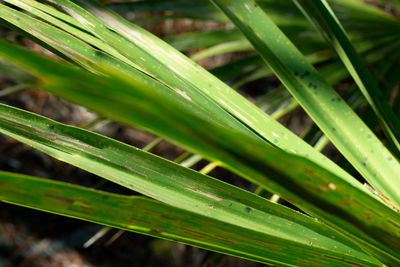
(320, 13)
(156, 219)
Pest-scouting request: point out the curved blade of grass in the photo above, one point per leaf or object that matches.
(322, 16)
(227, 47)
(164, 63)
(196, 40)
(335, 118)
(357, 13)
(347, 207)
(166, 181)
(243, 66)
(156, 219)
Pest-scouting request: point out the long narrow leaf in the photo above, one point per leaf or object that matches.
(156, 219)
(320, 13)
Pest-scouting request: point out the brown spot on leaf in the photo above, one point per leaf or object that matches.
(156, 231)
(167, 217)
(393, 223)
(63, 199)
